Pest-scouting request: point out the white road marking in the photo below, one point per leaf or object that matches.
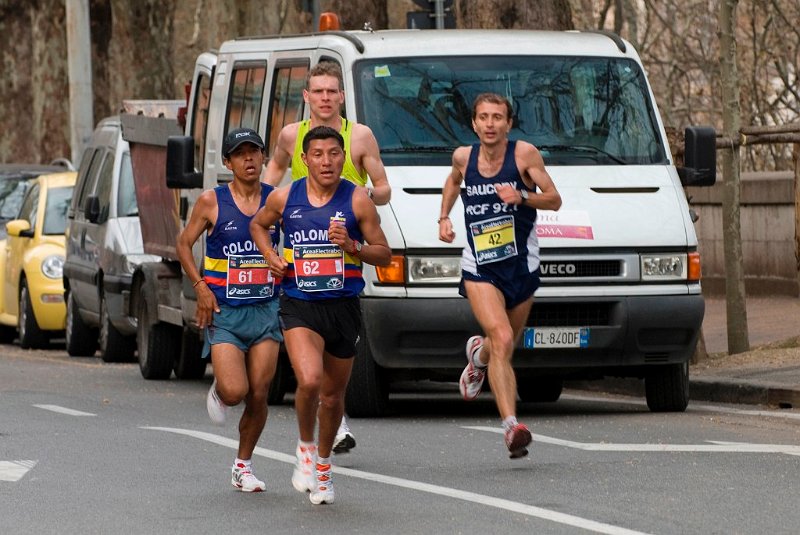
(782, 413)
(15, 470)
(482, 499)
(714, 447)
(64, 410)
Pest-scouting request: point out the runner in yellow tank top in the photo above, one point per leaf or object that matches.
(349, 172)
(325, 97)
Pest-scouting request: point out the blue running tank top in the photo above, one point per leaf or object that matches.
(319, 269)
(233, 267)
(501, 238)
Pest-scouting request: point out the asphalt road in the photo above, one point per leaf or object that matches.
(88, 447)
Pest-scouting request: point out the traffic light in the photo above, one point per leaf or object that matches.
(438, 14)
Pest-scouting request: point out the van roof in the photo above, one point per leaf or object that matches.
(394, 43)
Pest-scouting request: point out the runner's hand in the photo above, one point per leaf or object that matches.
(206, 305)
(337, 233)
(446, 232)
(508, 194)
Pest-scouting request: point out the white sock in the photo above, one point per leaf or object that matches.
(324, 460)
(476, 358)
(247, 463)
(307, 445)
(509, 423)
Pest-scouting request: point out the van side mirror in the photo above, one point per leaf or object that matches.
(700, 157)
(91, 208)
(180, 164)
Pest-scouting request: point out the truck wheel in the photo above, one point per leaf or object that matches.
(540, 389)
(368, 391)
(189, 364)
(81, 339)
(667, 388)
(30, 335)
(114, 346)
(281, 381)
(158, 344)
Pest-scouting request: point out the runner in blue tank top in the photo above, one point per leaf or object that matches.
(500, 265)
(237, 297)
(324, 219)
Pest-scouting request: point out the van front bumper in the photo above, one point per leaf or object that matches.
(625, 333)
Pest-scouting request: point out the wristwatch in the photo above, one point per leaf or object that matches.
(370, 193)
(524, 194)
(357, 248)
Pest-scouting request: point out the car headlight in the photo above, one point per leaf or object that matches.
(53, 266)
(434, 270)
(661, 267)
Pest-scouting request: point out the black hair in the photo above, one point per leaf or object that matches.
(322, 132)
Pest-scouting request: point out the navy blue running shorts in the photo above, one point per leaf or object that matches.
(243, 326)
(516, 292)
(337, 321)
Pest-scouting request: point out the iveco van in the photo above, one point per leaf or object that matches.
(620, 288)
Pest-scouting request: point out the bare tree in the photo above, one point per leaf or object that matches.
(519, 14)
(738, 338)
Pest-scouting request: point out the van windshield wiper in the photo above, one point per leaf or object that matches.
(418, 149)
(582, 148)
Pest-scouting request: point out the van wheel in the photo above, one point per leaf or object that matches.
(667, 388)
(158, 344)
(30, 335)
(81, 339)
(114, 346)
(189, 364)
(367, 393)
(540, 389)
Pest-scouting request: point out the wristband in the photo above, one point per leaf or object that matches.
(442, 218)
(198, 282)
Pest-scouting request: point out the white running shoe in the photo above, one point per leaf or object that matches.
(472, 377)
(303, 476)
(344, 441)
(323, 493)
(243, 479)
(217, 410)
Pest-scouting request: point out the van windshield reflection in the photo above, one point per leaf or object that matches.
(579, 111)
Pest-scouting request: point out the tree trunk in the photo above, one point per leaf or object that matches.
(353, 15)
(738, 338)
(516, 14)
(141, 52)
(33, 107)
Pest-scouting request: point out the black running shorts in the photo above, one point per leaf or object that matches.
(337, 321)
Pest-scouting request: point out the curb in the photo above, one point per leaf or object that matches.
(706, 389)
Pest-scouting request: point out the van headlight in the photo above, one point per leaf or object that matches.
(53, 266)
(434, 269)
(662, 267)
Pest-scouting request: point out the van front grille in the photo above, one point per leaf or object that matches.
(570, 314)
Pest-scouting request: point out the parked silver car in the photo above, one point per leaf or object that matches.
(104, 244)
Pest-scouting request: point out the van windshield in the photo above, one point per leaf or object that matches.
(576, 110)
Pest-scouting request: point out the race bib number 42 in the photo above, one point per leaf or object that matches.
(249, 278)
(494, 239)
(318, 267)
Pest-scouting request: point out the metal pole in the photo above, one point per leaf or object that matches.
(315, 15)
(79, 54)
(438, 14)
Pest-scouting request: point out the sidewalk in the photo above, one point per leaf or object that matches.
(769, 374)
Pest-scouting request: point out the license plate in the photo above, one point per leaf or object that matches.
(540, 337)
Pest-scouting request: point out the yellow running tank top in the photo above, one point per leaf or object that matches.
(349, 172)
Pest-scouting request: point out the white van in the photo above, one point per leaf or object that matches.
(620, 291)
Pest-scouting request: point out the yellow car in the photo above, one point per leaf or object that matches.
(32, 289)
